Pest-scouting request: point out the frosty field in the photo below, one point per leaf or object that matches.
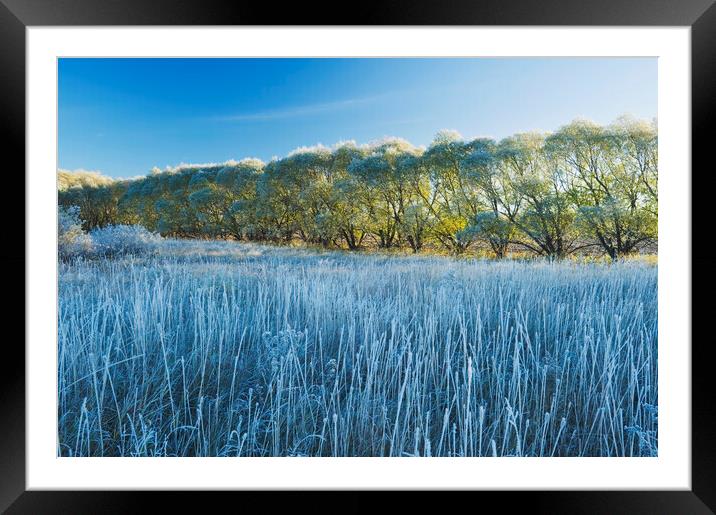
(230, 349)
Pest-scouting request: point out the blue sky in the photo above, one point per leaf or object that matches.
(124, 116)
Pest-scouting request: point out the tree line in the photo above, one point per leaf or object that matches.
(583, 188)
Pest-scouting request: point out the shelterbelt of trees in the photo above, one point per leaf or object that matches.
(584, 188)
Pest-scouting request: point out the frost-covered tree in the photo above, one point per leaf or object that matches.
(539, 204)
(452, 197)
(97, 196)
(611, 196)
(584, 187)
(349, 217)
(386, 183)
(239, 188)
(489, 225)
(637, 144)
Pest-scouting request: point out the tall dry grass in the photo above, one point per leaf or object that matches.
(225, 349)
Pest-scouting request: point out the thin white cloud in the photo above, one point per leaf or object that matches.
(298, 111)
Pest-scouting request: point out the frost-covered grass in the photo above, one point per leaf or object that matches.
(226, 349)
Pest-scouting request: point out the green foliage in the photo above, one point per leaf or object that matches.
(584, 187)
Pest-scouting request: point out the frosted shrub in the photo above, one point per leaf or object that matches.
(119, 240)
(71, 239)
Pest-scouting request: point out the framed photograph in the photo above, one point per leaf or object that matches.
(446, 248)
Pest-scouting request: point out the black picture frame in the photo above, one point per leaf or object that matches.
(16, 15)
